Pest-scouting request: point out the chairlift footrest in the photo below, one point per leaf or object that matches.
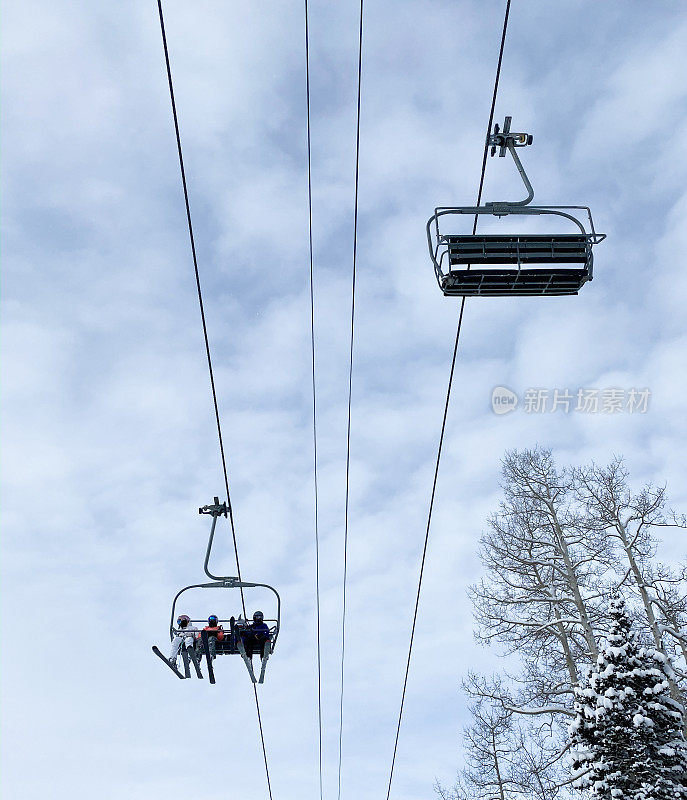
(521, 283)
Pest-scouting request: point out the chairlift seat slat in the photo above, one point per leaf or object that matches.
(521, 283)
(518, 249)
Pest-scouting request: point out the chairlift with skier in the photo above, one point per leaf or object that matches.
(238, 636)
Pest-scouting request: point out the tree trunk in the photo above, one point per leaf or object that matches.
(496, 766)
(574, 585)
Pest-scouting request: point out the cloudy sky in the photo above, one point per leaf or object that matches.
(109, 443)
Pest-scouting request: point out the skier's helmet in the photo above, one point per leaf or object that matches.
(212, 620)
(183, 621)
(258, 616)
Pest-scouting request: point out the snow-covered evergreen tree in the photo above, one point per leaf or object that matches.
(627, 739)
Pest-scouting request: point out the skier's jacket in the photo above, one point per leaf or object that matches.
(217, 631)
(260, 630)
(189, 632)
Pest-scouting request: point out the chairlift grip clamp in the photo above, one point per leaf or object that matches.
(217, 509)
(505, 138)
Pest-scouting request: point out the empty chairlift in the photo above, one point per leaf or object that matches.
(526, 264)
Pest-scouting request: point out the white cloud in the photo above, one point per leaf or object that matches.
(109, 442)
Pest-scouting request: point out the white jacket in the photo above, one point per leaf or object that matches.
(183, 637)
(189, 632)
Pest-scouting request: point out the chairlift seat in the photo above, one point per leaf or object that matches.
(228, 645)
(572, 248)
(556, 254)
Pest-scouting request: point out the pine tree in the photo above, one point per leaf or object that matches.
(627, 739)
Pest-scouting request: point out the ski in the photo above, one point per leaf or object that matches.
(247, 661)
(194, 659)
(184, 658)
(266, 655)
(169, 664)
(206, 646)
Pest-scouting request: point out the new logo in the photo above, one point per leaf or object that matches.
(503, 400)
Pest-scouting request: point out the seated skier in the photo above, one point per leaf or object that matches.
(184, 637)
(215, 634)
(256, 635)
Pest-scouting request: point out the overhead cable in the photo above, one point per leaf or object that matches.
(350, 391)
(209, 359)
(314, 395)
(446, 406)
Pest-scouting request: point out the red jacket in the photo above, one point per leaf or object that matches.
(217, 631)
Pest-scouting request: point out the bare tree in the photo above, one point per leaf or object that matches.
(491, 746)
(671, 604)
(629, 518)
(562, 542)
(538, 734)
(504, 758)
(539, 766)
(455, 792)
(546, 570)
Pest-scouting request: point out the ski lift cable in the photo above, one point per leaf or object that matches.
(446, 406)
(350, 391)
(200, 294)
(208, 354)
(314, 395)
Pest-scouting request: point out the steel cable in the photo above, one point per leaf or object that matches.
(446, 406)
(209, 358)
(314, 394)
(350, 391)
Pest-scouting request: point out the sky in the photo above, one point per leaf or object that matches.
(108, 436)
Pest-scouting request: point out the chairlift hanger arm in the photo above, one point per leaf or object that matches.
(523, 175)
(216, 509)
(507, 140)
